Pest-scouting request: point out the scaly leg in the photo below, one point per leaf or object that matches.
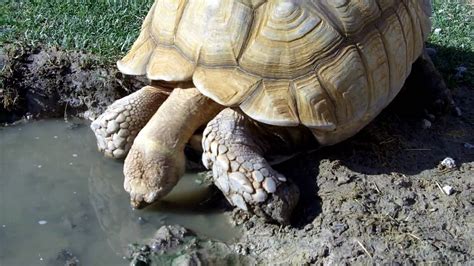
(234, 148)
(118, 126)
(156, 160)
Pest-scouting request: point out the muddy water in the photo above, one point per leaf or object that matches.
(58, 193)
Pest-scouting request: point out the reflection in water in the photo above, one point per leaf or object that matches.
(58, 193)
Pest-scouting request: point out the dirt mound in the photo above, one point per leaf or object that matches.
(38, 83)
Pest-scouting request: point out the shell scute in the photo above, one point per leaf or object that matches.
(331, 65)
(349, 88)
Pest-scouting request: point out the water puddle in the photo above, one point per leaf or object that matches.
(58, 193)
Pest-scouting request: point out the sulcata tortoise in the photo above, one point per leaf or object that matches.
(267, 77)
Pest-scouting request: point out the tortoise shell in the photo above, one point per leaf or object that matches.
(331, 65)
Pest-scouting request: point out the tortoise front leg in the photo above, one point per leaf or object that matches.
(116, 129)
(234, 148)
(156, 160)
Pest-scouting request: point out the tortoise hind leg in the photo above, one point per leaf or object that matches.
(118, 126)
(433, 90)
(233, 148)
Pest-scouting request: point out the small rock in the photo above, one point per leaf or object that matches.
(426, 124)
(468, 146)
(460, 71)
(448, 163)
(141, 220)
(448, 190)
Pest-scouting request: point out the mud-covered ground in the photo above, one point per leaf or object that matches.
(376, 198)
(38, 83)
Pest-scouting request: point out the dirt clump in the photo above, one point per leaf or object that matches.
(176, 245)
(38, 83)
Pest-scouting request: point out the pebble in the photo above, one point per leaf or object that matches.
(460, 72)
(448, 163)
(42, 222)
(426, 124)
(448, 190)
(468, 146)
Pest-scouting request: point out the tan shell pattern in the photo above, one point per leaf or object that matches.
(326, 64)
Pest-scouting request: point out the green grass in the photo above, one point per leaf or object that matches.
(108, 28)
(105, 28)
(453, 37)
